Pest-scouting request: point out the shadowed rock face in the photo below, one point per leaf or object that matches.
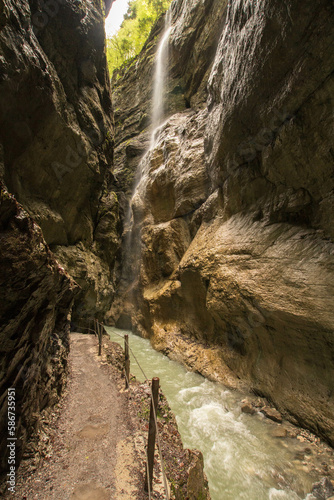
(234, 210)
(36, 295)
(56, 131)
(56, 146)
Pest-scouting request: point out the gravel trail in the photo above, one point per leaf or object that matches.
(92, 455)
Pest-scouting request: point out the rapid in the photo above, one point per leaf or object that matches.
(243, 460)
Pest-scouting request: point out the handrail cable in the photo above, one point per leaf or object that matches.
(154, 413)
(155, 422)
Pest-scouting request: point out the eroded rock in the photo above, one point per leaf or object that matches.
(36, 296)
(248, 274)
(56, 131)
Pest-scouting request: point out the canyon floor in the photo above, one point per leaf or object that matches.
(92, 446)
(92, 450)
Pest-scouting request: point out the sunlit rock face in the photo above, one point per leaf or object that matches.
(233, 208)
(56, 131)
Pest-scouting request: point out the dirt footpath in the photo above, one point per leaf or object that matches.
(93, 456)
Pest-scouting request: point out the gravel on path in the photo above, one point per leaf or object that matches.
(92, 455)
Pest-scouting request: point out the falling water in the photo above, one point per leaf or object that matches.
(132, 257)
(131, 235)
(160, 77)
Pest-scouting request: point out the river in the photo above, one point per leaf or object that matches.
(243, 461)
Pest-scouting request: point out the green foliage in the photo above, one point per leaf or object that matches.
(133, 33)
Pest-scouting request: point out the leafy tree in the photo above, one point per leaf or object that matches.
(136, 26)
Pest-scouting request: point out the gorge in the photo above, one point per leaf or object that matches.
(219, 247)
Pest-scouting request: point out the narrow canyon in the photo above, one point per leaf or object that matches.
(187, 197)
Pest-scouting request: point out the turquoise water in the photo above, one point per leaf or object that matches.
(242, 459)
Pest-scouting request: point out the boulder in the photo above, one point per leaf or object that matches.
(272, 414)
(279, 432)
(247, 407)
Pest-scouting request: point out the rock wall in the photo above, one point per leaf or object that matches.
(56, 131)
(233, 210)
(56, 148)
(36, 295)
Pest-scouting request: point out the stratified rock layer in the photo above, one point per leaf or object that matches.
(36, 295)
(56, 132)
(234, 206)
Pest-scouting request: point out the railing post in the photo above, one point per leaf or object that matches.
(126, 361)
(100, 337)
(152, 434)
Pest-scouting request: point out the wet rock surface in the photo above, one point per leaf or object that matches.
(36, 295)
(323, 490)
(56, 145)
(242, 191)
(56, 133)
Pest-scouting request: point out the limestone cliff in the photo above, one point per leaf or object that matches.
(56, 131)
(233, 207)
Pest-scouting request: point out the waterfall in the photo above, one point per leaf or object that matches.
(158, 98)
(160, 77)
(131, 248)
